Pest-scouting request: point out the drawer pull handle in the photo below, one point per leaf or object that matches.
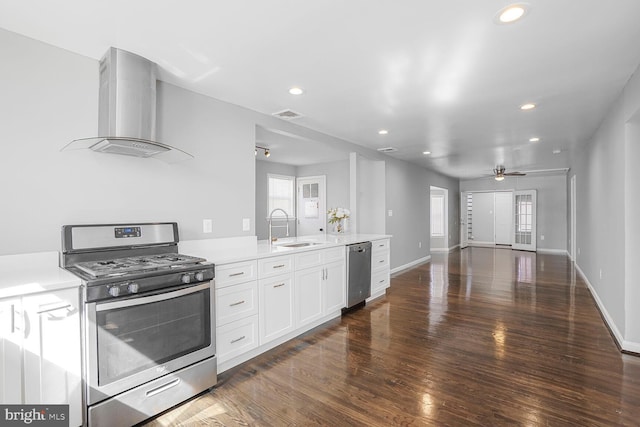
(236, 303)
(237, 339)
(164, 387)
(381, 261)
(382, 281)
(236, 274)
(277, 286)
(278, 266)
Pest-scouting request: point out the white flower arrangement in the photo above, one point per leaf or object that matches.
(336, 216)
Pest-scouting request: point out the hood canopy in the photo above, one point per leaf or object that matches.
(127, 110)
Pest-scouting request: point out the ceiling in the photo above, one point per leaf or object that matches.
(441, 76)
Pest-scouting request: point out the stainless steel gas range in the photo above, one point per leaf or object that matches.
(148, 319)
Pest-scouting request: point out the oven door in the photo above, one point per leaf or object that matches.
(135, 340)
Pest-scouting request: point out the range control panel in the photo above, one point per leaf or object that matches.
(124, 232)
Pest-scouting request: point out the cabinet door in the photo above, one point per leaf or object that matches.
(308, 295)
(335, 289)
(11, 351)
(52, 351)
(276, 307)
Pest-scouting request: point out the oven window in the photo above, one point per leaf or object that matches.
(135, 338)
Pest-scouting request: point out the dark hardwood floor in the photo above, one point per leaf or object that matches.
(485, 337)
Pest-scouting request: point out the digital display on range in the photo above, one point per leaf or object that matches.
(123, 232)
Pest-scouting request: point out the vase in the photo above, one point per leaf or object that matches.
(338, 227)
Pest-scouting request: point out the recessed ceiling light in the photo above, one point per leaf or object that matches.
(557, 151)
(383, 132)
(426, 153)
(535, 139)
(528, 106)
(512, 13)
(296, 91)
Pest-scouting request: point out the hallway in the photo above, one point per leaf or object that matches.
(481, 336)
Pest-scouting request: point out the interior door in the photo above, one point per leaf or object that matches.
(312, 206)
(503, 217)
(466, 210)
(524, 229)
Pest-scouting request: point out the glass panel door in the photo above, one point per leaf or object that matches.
(524, 237)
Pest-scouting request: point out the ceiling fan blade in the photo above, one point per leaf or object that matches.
(514, 174)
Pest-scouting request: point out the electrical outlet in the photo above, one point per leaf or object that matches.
(578, 251)
(419, 245)
(246, 224)
(601, 273)
(390, 212)
(542, 237)
(207, 226)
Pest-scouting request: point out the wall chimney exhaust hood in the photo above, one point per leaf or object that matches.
(127, 110)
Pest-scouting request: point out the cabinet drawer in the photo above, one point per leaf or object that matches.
(236, 302)
(380, 261)
(334, 254)
(236, 338)
(308, 259)
(268, 267)
(379, 282)
(237, 272)
(380, 246)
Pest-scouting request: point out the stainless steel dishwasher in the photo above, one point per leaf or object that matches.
(358, 273)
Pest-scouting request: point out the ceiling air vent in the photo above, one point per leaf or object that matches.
(387, 150)
(287, 114)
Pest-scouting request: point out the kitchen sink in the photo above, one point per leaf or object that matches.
(298, 244)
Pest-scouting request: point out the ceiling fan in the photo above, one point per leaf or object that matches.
(499, 173)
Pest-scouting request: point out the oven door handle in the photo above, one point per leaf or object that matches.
(153, 298)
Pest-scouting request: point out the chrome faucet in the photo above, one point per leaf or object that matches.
(271, 226)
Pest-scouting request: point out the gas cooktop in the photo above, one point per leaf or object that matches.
(135, 264)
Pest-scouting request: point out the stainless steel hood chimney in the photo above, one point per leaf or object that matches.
(127, 110)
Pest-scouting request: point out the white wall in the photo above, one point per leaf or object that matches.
(551, 199)
(50, 97)
(607, 209)
(370, 196)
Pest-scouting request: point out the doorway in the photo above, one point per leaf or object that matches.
(311, 205)
(573, 219)
(439, 219)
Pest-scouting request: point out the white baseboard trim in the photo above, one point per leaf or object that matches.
(553, 251)
(482, 244)
(439, 250)
(605, 314)
(411, 264)
(453, 247)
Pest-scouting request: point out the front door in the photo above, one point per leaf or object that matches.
(312, 206)
(524, 230)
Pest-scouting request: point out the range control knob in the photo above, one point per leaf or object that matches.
(199, 276)
(114, 291)
(133, 287)
(185, 278)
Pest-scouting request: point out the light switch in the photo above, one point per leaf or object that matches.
(390, 212)
(246, 224)
(207, 225)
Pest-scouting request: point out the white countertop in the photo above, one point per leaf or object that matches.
(32, 273)
(225, 251)
(25, 274)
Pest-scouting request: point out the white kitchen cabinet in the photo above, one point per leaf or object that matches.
(44, 333)
(276, 307)
(11, 347)
(308, 294)
(236, 338)
(380, 267)
(236, 302)
(236, 290)
(334, 287)
(320, 289)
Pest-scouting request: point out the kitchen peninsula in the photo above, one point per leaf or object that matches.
(267, 294)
